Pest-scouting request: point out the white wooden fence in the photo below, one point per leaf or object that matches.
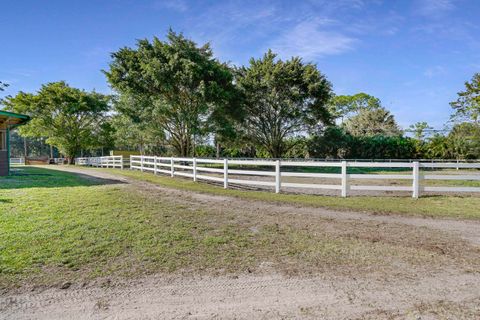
(17, 161)
(102, 162)
(198, 169)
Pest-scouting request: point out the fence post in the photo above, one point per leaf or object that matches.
(131, 162)
(172, 168)
(155, 165)
(194, 169)
(278, 182)
(416, 180)
(141, 163)
(344, 179)
(225, 173)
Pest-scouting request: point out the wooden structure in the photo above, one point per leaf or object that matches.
(8, 122)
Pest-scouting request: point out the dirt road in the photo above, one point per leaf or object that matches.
(428, 293)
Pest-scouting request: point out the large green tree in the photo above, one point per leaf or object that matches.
(467, 106)
(371, 122)
(282, 99)
(174, 85)
(70, 118)
(343, 106)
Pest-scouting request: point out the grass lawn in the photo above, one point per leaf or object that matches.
(450, 206)
(57, 226)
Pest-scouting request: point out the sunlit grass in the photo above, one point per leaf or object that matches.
(465, 207)
(57, 226)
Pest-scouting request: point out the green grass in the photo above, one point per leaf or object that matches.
(32, 177)
(57, 226)
(449, 206)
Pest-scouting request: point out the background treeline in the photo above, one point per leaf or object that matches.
(173, 97)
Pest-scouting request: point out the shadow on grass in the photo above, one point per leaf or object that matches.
(33, 177)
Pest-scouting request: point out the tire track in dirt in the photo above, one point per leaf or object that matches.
(244, 297)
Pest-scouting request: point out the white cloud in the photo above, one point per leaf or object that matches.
(434, 8)
(176, 5)
(312, 39)
(434, 71)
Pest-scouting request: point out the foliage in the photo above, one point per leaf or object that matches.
(419, 130)
(383, 147)
(336, 143)
(371, 122)
(175, 86)
(464, 141)
(3, 85)
(283, 99)
(239, 149)
(103, 138)
(438, 147)
(70, 118)
(467, 106)
(343, 106)
(205, 151)
(297, 147)
(36, 147)
(143, 137)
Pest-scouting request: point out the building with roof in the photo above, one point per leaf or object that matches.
(8, 122)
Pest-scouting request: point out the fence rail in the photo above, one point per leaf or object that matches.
(102, 162)
(197, 169)
(17, 161)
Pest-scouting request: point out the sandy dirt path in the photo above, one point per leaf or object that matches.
(254, 297)
(449, 294)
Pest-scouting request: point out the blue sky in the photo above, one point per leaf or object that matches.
(414, 55)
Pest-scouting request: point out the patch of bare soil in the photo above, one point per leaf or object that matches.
(255, 297)
(443, 284)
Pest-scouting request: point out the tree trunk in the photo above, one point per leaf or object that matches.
(194, 143)
(218, 150)
(25, 147)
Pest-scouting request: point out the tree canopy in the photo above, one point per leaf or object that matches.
(175, 85)
(371, 122)
(282, 99)
(70, 119)
(343, 106)
(173, 97)
(467, 106)
(464, 140)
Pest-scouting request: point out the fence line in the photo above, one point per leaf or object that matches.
(17, 161)
(224, 171)
(195, 168)
(102, 162)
